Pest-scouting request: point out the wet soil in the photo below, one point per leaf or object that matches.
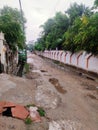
(57, 85)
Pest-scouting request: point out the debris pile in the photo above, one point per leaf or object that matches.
(10, 109)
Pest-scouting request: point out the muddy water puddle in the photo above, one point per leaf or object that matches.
(57, 85)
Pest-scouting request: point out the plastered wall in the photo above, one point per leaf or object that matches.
(81, 59)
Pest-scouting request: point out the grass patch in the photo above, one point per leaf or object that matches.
(41, 111)
(56, 62)
(30, 105)
(27, 68)
(28, 121)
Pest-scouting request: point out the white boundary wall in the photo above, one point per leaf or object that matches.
(81, 60)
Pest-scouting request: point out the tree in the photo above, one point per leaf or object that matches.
(89, 35)
(11, 26)
(53, 30)
(96, 3)
(76, 10)
(78, 31)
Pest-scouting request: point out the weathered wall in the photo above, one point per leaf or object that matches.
(81, 59)
(2, 48)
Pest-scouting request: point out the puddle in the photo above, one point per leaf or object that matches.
(57, 85)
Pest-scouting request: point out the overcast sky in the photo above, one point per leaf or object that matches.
(38, 11)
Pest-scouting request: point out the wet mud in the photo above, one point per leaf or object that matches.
(57, 85)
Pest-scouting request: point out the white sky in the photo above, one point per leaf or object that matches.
(38, 11)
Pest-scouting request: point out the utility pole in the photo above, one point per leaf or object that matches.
(21, 15)
(23, 55)
(21, 12)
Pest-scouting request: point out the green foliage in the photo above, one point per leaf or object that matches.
(27, 68)
(75, 30)
(11, 24)
(41, 111)
(30, 105)
(22, 54)
(53, 31)
(28, 121)
(96, 3)
(76, 10)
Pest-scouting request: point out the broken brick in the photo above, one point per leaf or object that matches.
(1, 106)
(9, 104)
(5, 104)
(1, 110)
(2, 103)
(19, 112)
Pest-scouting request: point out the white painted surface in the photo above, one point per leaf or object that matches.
(68, 58)
(74, 59)
(82, 60)
(93, 64)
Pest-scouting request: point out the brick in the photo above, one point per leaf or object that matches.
(19, 112)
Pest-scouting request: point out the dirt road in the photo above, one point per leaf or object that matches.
(78, 96)
(70, 101)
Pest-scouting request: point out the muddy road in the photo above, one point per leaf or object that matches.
(70, 101)
(78, 96)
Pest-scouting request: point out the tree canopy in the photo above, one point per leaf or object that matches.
(73, 31)
(11, 24)
(96, 3)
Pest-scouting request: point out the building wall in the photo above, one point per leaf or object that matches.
(2, 50)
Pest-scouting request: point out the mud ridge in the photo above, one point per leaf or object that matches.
(57, 85)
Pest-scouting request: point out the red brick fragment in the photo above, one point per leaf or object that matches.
(1, 110)
(2, 103)
(19, 112)
(5, 104)
(9, 104)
